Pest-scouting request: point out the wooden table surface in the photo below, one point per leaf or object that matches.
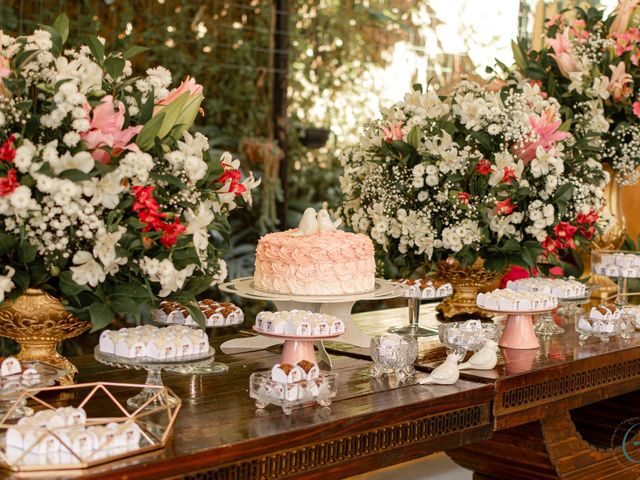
(530, 409)
(371, 424)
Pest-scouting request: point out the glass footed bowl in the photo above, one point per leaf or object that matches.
(467, 336)
(605, 329)
(393, 353)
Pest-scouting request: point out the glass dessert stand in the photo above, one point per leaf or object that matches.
(567, 307)
(154, 373)
(414, 329)
(203, 368)
(12, 386)
(337, 305)
(266, 391)
(518, 332)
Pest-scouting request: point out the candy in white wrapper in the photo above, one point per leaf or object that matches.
(10, 366)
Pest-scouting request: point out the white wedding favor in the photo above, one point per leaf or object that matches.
(299, 323)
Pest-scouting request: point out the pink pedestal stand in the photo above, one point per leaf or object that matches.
(518, 331)
(296, 349)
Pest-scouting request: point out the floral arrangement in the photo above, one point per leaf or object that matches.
(106, 199)
(591, 64)
(482, 174)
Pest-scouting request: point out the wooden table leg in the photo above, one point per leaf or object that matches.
(549, 449)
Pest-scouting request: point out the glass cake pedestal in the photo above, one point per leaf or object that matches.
(545, 325)
(154, 373)
(414, 329)
(336, 305)
(518, 332)
(320, 390)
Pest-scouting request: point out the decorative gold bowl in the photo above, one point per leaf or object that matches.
(38, 322)
(467, 282)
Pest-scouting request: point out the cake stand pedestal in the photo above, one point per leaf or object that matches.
(337, 305)
(414, 329)
(154, 374)
(518, 332)
(545, 325)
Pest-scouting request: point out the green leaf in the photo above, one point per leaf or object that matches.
(564, 193)
(21, 279)
(133, 51)
(56, 40)
(7, 243)
(171, 113)
(61, 24)
(97, 49)
(114, 67)
(22, 58)
(146, 112)
(187, 116)
(122, 304)
(413, 138)
(196, 314)
(521, 60)
(26, 252)
(68, 287)
(147, 136)
(101, 315)
(75, 175)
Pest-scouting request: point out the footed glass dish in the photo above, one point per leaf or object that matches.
(469, 336)
(266, 391)
(605, 329)
(393, 353)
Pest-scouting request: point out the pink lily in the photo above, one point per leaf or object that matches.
(563, 53)
(619, 83)
(392, 132)
(188, 85)
(636, 109)
(547, 131)
(106, 131)
(624, 12)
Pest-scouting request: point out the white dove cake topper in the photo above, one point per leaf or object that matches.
(312, 223)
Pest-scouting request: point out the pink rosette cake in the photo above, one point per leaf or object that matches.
(315, 260)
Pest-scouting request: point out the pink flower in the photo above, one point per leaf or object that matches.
(464, 197)
(5, 71)
(392, 132)
(624, 11)
(555, 20)
(563, 53)
(505, 207)
(636, 108)
(547, 131)
(188, 85)
(557, 271)
(620, 80)
(106, 131)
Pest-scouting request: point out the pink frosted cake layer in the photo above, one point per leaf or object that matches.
(327, 263)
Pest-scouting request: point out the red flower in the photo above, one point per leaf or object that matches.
(9, 183)
(516, 273)
(551, 245)
(505, 207)
(464, 197)
(509, 173)
(7, 150)
(564, 230)
(557, 271)
(144, 199)
(590, 218)
(170, 232)
(235, 186)
(483, 167)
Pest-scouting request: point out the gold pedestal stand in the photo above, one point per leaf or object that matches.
(38, 322)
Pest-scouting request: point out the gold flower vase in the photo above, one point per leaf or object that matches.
(467, 282)
(38, 322)
(611, 239)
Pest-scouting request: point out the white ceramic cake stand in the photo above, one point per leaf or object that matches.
(518, 332)
(336, 305)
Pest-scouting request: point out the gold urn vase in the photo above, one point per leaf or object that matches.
(611, 239)
(467, 282)
(38, 322)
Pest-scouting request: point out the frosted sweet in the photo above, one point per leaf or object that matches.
(425, 288)
(168, 343)
(617, 264)
(506, 300)
(561, 288)
(217, 314)
(299, 323)
(323, 263)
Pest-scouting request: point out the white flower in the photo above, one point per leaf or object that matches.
(165, 273)
(221, 276)
(506, 167)
(24, 156)
(86, 270)
(6, 284)
(197, 225)
(137, 166)
(71, 138)
(20, 198)
(105, 250)
(106, 191)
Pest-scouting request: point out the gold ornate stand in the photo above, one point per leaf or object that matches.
(611, 239)
(467, 282)
(38, 322)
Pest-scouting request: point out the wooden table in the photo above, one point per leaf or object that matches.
(371, 424)
(555, 410)
(545, 414)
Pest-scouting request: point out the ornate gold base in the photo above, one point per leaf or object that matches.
(46, 352)
(38, 322)
(467, 283)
